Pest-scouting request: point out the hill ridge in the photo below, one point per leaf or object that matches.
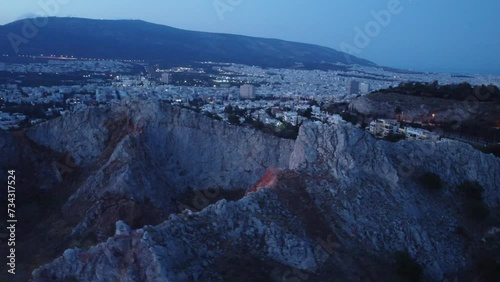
(138, 39)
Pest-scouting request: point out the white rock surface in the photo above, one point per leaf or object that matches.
(357, 193)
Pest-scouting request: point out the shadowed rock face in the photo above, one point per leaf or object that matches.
(132, 161)
(190, 149)
(341, 202)
(379, 202)
(152, 152)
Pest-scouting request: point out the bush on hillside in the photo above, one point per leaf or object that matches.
(431, 181)
(475, 207)
(407, 268)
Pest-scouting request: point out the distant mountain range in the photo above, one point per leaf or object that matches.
(139, 40)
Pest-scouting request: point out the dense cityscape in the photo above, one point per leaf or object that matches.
(267, 95)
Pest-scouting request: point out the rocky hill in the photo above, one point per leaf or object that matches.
(152, 153)
(474, 119)
(419, 108)
(136, 161)
(333, 203)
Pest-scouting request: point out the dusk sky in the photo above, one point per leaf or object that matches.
(459, 36)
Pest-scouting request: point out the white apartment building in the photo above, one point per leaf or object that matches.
(384, 127)
(364, 88)
(419, 134)
(247, 91)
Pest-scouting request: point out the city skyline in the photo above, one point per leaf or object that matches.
(423, 36)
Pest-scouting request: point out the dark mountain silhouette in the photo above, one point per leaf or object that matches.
(139, 40)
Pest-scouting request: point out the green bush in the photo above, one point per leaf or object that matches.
(489, 269)
(472, 190)
(460, 230)
(350, 117)
(234, 119)
(431, 181)
(394, 137)
(490, 149)
(477, 210)
(407, 268)
(213, 116)
(475, 207)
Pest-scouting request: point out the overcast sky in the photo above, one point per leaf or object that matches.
(429, 35)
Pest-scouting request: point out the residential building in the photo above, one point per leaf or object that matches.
(364, 88)
(247, 91)
(166, 78)
(352, 87)
(419, 134)
(384, 127)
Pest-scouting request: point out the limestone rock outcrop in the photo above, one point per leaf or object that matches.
(335, 202)
(150, 153)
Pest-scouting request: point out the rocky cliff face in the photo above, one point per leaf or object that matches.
(151, 152)
(339, 204)
(190, 149)
(379, 202)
